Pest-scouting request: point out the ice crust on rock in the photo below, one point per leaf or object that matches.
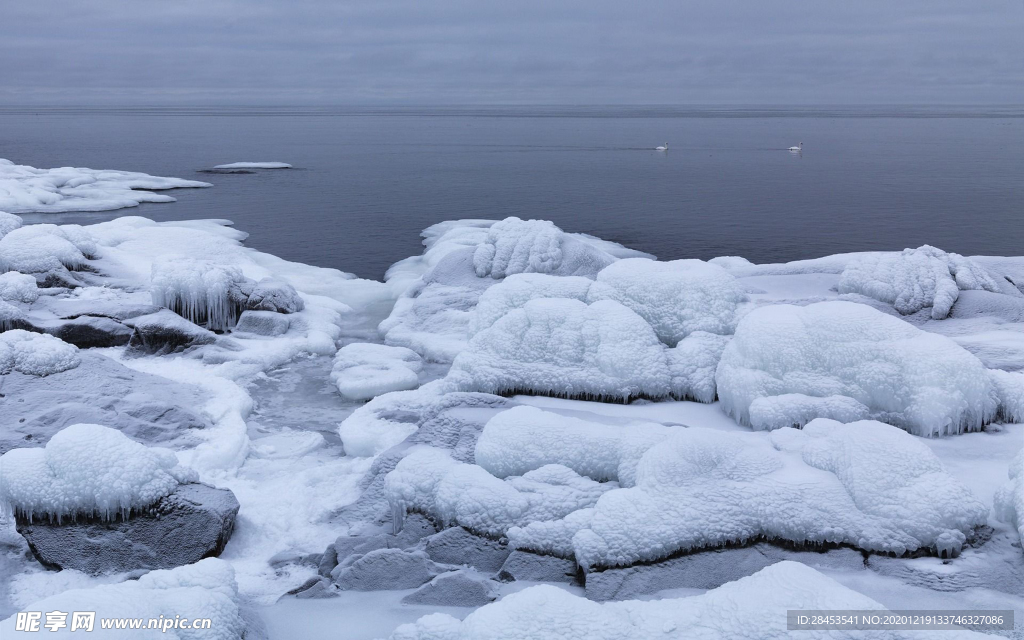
(88, 470)
(1009, 499)
(364, 370)
(254, 165)
(25, 189)
(200, 291)
(676, 298)
(922, 382)
(535, 246)
(35, 354)
(206, 589)
(748, 607)
(915, 279)
(866, 484)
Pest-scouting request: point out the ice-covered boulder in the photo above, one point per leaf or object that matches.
(272, 294)
(1009, 500)
(165, 332)
(18, 287)
(1009, 387)
(915, 279)
(387, 569)
(41, 248)
(201, 291)
(522, 566)
(364, 370)
(25, 189)
(676, 298)
(516, 290)
(263, 323)
(866, 484)
(457, 546)
(206, 589)
(8, 223)
(192, 522)
(88, 470)
(87, 332)
(535, 246)
(922, 382)
(564, 347)
(693, 363)
(749, 607)
(455, 589)
(12, 317)
(35, 354)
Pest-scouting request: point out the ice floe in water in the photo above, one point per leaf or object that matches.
(922, 382)
(88, 470)
(25, 189)
(254, 165)
(754, 606)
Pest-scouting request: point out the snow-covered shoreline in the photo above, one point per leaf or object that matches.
(627, 387)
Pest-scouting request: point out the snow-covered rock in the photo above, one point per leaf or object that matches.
(254, 165)
(18, 287)
(271, 294)
(749, 607)
(1009, 387)
(866, 484)
(364, 370)
(8, 223)
(676, 298)
(41, 248)
(915, 279)
(201, 291)
(165, 332)
(35, 354)
(457, 546)
(387, 569)
(88, 470)
(535, 246)
(25, 189)
(206, 589)
(921, 382)
(1009, 500)
(455, 589)
(693, 363)
(516, 290)
(262, 323)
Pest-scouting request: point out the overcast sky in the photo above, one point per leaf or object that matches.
(512, 51)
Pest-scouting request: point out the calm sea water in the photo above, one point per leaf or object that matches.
(368, 180)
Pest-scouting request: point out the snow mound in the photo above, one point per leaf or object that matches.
(796, 410)
(206, 589)
(566, 348)
(1009, 499)
(363, 370)
(516, 290)
(693, 363)
(750, 607)
(865, 484)
(11, 317)
(18, 287)
(535, 246)
(25, 189)
(1009, 387)
(40, 248)
(88, 470)
(8, 223)
(35, 354)
(915, 279)
(200, 291)
(430, 481)
(523, 439)
(254, 165)
(676, 298)
(922, 382)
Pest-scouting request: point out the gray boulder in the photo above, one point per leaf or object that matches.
(192, 523)
(387, 569)
(454, 589)
(458, 546)
(90, 331)
(270, 294)
(262, 323)
(165, 332)
(522, 565)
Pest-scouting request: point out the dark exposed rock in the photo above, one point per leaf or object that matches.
(165, 332)
(192, 523)
(458, 546)
(522, 565)
(454, 589)
(87, 332)
(387, 569)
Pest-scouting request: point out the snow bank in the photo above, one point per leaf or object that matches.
(516, 290)
(751, 607)
(921, 382)
(254, 165)
(535, 246)
(88, 470)
(8, 223)
(35, 354)
(915, 279)
(1009, 499)
(429, 481)
(866, 484)
(206, 589)
(524, 439)
(25, 189)
(18, 287)
(676, 298)
(40, 248)
(201, 291)
(363, 370)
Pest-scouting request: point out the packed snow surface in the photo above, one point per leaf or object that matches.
(25, 189)
(751, 607)
(205, 589)
(921, 382)
(88, 470)
(915, 279)
(254, 165)
(35, 354)
(865, 484)
(363, 370)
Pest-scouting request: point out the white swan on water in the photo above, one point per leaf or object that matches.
(662, 148)
(800, 148)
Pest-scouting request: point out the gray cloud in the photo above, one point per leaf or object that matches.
(570, 51)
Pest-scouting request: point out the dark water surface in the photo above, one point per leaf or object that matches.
(368, 180)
